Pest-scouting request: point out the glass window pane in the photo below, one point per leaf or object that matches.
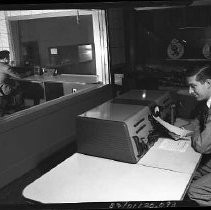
(85, 53)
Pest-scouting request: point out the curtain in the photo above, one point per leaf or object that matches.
(14, 40)
(101, 45)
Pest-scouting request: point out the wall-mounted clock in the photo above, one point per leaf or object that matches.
(175, 49)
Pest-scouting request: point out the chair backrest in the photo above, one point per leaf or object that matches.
(3, 104)
(8, 105)
(53, 90)
(2, 101)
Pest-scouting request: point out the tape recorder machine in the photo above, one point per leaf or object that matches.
(121, 129)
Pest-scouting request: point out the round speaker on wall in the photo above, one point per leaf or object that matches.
(175, 49)
(206, 50)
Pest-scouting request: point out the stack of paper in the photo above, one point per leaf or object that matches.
(172, 128)
(179, 146)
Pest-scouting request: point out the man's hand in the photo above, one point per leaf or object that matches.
(178, 137)
(174, 136)
(156, 111)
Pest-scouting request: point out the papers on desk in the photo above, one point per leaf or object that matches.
(171, 145)
(172, 128)
(170, 156)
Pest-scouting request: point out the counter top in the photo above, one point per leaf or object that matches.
(64, 78)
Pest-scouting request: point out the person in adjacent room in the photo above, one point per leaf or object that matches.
(9, 89)
(199, 82)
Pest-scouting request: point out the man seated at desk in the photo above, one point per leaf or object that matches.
(10, 91)
(199, 81)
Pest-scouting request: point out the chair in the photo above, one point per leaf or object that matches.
(3, 105)
(53, 90)
(8, 105)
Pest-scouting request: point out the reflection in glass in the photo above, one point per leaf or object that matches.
(85, 53)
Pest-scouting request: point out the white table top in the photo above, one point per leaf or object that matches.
(160, 175)
(83, 178)
(184, 162)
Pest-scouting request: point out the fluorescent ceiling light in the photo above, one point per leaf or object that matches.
(194, 3)
(158, 7)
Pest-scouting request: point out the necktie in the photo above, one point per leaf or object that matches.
(203, 114)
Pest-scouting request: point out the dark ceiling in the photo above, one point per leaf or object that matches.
(96, 4)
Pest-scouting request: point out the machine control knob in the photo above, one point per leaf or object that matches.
(141, 146)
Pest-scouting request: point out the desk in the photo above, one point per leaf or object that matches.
(83, 178)
(59, 85)
(63, 78)
(182, 162)
(34, 85)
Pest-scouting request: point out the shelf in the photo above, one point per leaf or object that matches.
(187, 59)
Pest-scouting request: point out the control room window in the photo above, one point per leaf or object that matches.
(95, 50)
